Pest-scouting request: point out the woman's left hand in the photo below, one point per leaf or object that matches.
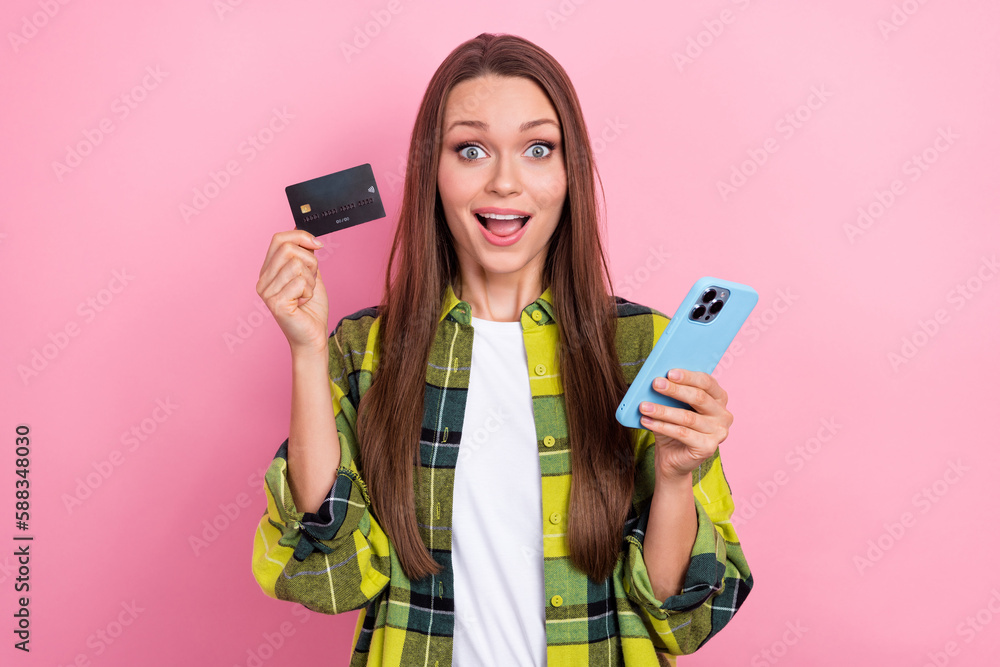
(686, 438)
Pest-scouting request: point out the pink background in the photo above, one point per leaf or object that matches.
(866, 489)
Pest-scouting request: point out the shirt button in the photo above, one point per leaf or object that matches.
(549, 441)
(555, 517)
(556, 600)
(540, 369)
(537, 315)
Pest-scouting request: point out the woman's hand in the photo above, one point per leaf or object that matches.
(293, 290)
(686, 438)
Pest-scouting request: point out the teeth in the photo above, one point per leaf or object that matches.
(497, 216)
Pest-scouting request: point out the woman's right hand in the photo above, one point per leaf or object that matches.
(292, 289)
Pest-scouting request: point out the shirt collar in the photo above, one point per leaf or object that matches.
(537, 313)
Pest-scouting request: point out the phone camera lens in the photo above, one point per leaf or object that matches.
(715, 307)
(708, 295)
(698, 312)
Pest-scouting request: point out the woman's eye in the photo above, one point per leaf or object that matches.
(470, 152)
(539, 150)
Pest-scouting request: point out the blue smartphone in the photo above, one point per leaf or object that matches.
(697, 336)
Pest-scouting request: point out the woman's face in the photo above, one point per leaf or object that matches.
(501, 155)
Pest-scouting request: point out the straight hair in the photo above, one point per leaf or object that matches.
(423, 262)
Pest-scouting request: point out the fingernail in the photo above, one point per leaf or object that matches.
(660, 383)
(674, 374)
(317, 242)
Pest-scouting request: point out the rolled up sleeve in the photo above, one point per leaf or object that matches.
(338, 558)
(718, 578)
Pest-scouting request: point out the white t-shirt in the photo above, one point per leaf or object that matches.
(497, 515)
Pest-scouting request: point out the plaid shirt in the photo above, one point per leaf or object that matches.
(340, 559)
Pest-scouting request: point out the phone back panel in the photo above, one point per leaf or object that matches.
(688, 344)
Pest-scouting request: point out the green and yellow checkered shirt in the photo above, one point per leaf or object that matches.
(340, 559)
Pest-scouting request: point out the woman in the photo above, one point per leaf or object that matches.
(438, 491)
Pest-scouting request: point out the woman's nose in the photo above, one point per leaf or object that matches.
(506, 178)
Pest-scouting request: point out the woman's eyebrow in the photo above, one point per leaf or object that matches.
(485, 126)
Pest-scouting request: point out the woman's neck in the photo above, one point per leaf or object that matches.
(497, 299)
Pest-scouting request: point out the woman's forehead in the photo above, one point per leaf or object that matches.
(492, 103)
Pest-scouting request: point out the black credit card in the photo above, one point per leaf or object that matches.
(335, 201)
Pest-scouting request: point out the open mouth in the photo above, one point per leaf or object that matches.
(502, 225)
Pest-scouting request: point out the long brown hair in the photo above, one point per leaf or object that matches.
(423, 262)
